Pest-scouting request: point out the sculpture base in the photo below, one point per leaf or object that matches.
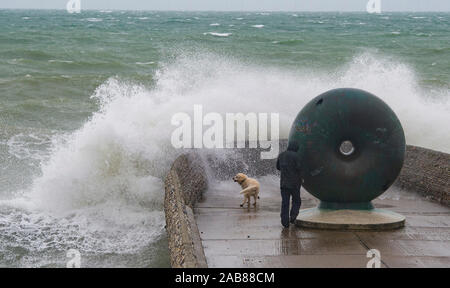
(350, 206)
(346, 219)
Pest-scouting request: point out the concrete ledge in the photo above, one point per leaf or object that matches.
(426, 172)
(184, 185)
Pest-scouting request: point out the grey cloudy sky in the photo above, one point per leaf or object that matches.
(227, 5)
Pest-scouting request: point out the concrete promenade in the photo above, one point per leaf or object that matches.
(239, 237)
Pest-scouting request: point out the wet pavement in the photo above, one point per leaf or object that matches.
(253, 237)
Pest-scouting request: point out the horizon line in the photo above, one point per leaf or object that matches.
(259, 11)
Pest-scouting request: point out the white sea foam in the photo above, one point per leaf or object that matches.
(258, 26)
(145, 63)
(29, 145)
(14, 61)
(214, 24)
(93, 19)
(60, 61)
(217, 34)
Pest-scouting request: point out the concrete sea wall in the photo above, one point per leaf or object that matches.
(184, 185)
(425, 171)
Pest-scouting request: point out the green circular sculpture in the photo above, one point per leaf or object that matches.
(352, 147)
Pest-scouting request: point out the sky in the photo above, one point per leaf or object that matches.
(234, 5)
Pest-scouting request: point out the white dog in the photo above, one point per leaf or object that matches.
(250, 188)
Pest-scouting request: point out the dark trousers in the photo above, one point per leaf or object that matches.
(286, 194)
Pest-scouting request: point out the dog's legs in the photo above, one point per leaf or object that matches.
(254, 197)
(245, 200)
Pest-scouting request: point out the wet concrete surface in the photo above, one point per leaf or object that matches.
(253, 237)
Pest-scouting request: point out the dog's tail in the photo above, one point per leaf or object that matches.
(248, 189)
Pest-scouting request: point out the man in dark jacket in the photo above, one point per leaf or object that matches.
(290, 167)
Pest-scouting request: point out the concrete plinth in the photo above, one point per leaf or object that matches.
(374, 219)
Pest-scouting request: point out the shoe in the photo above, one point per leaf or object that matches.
(292, 221)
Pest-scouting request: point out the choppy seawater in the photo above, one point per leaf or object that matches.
(86, 101)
